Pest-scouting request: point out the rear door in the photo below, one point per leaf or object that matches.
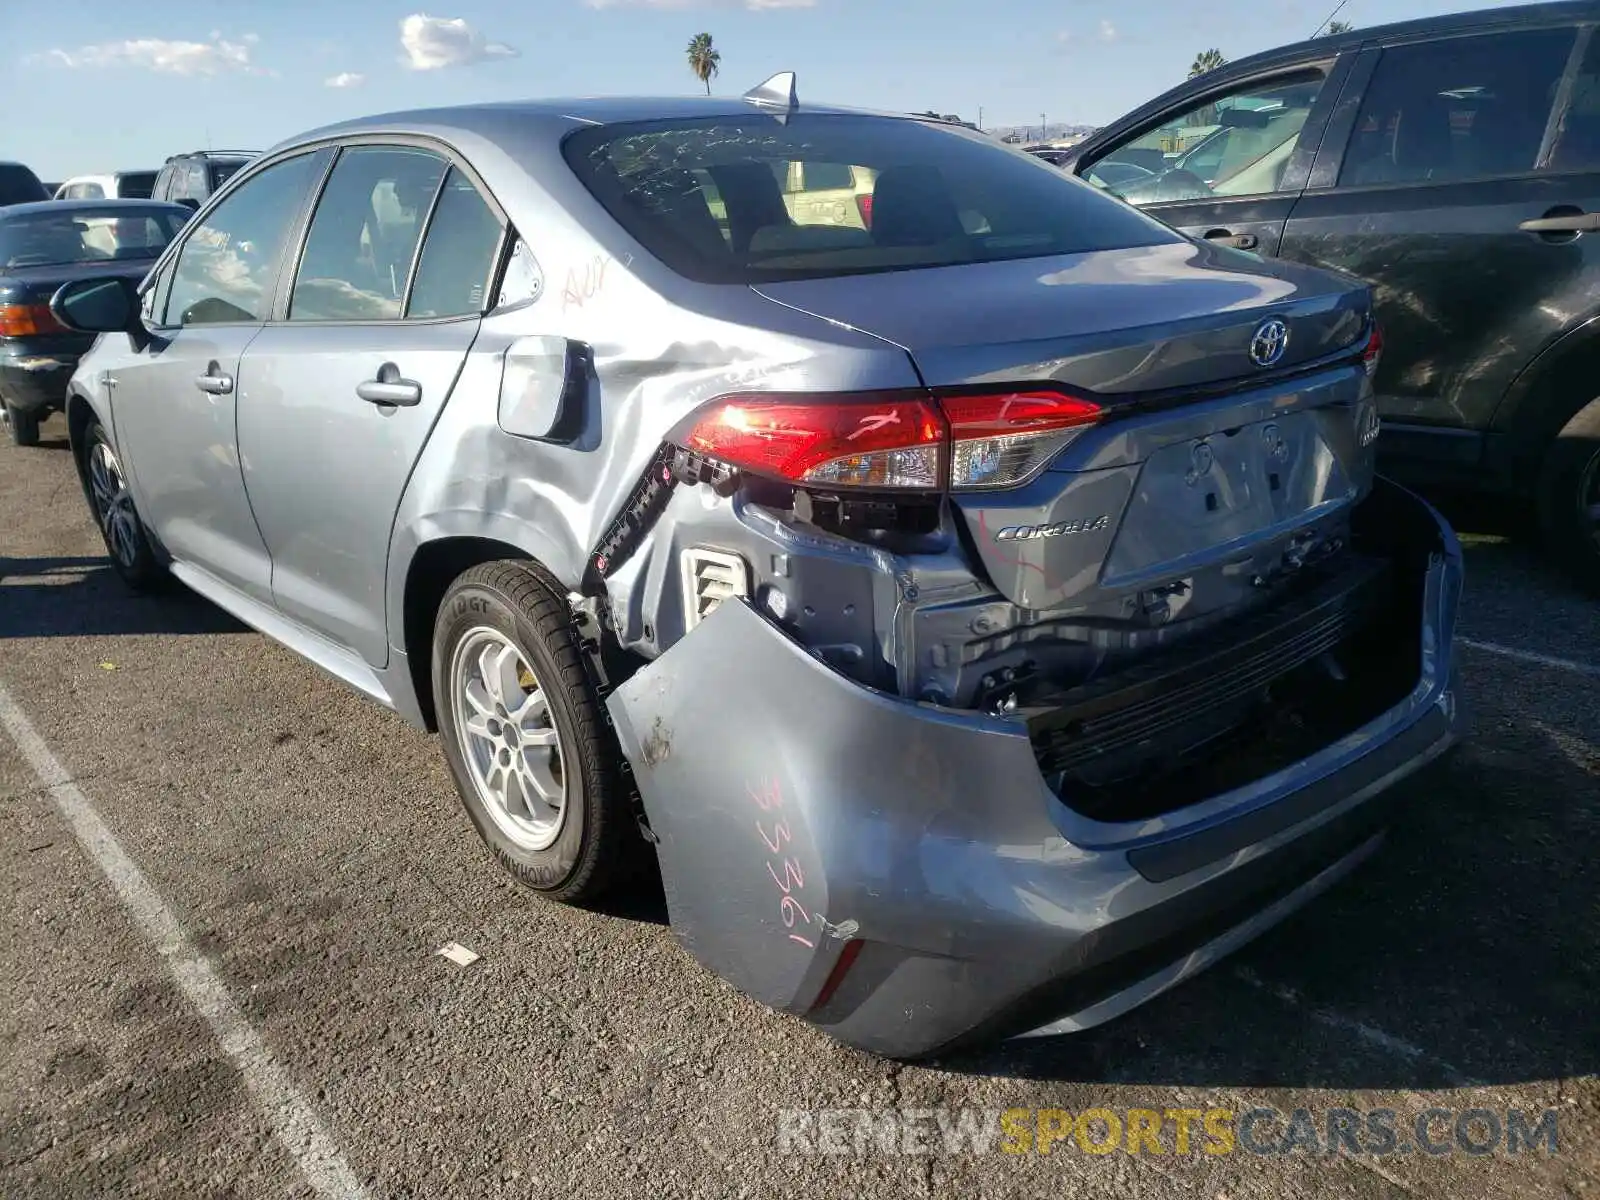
(1226, 164)
(1421, 191)
(348, 380)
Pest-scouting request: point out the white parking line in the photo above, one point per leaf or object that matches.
(1528, 656)
(294, 1122)
(1374, 1037)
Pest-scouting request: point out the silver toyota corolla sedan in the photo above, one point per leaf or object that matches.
(977, 597)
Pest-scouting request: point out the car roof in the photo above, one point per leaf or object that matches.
(1458, 22)
(488, 119)
(69, 206)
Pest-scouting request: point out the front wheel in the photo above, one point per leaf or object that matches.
(524, 734)
(1569, 497)
(126, 539)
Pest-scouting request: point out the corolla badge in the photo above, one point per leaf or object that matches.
(1034, 533)
(1269, 342)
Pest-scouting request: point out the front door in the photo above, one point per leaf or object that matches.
(347, 386)
(1229, 165)
(1445, 160)
(174, 403)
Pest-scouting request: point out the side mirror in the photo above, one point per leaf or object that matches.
(108, 304)
(189, 202)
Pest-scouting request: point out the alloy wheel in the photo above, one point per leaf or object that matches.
(508, 738)
(113, 504)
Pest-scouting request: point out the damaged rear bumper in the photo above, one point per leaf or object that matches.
(902, 876)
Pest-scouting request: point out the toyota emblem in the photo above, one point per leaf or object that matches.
(1269, 342)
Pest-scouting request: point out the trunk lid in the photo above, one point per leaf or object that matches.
(1251, 471)
(1147, 319)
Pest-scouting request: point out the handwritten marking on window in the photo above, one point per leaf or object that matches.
(787, 876)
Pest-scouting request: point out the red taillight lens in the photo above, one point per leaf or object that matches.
(28, 320)
(1374, 351)
(884, 439)
(903, 439)
(1001, 439)
(864, 203)
(841, 968)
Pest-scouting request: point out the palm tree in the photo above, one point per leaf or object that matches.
(1337, 27)
(1207, 61)
(704, 60)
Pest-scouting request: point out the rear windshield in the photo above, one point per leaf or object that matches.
(18, 185)
(136, 185)
(737, 199)
(56, 237)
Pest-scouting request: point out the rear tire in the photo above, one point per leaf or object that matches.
(24, 426)
(128, 543)
(524, 734)
(1569, 497)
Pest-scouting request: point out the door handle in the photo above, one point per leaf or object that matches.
(214, 381)
(1239, 241)
(1563, 221)
(389, 388)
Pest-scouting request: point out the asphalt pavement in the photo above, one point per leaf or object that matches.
(231, 875)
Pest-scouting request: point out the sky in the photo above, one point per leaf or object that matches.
(105, 85)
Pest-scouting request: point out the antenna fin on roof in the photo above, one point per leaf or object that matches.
(777, 92)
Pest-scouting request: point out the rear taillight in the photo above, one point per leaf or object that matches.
(877, 440)
(1374, 349)
(28, 320)
(1000, 439)
(864, 203)
(892, 440)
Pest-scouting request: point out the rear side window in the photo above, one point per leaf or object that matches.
(136, 185)
(457, 255)
(222, 172)
(707, 197)
(364, 235)
(1461, 108)
(1577, 141)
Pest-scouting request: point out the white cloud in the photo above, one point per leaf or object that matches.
(434, 42)
(345, 79)
(1108, 31)
(752, 5)
(210, 57)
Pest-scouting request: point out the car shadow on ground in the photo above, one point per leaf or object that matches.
(82, 597)
(1466, 951)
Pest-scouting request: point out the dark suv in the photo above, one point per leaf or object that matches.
(19, 185)
(189, 179)
(1454, 164)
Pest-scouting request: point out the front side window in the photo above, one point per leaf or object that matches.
(1237, 144)
(227, 267)
(707, 196)
(364, 235)
(1461, 108)
(458, 253)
